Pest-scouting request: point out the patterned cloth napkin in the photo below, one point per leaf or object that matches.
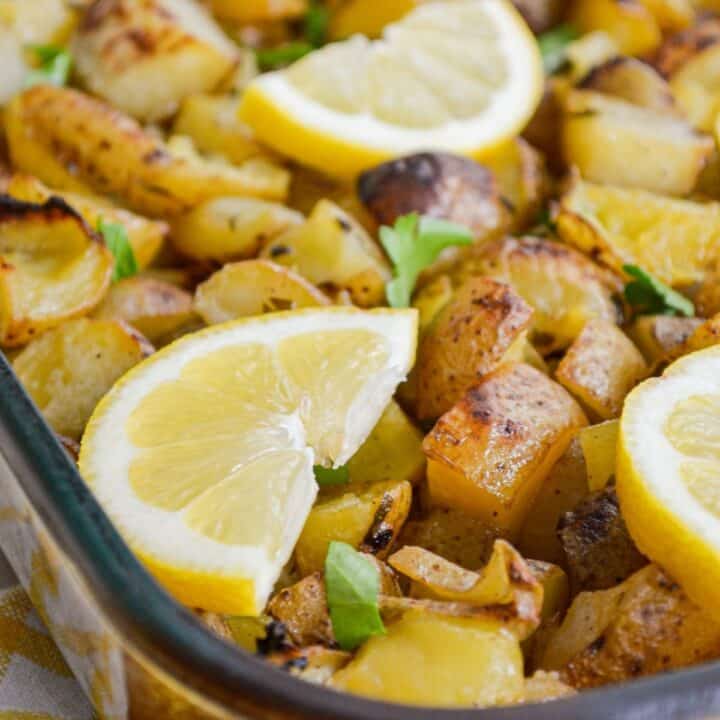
(35, 682)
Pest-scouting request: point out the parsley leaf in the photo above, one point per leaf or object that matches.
(553, 44)
(316, 25)
(116, 239)
(353, 587)
(277, 57)
(413, 243)
(55, 65)
(648, 296)
(331, 476)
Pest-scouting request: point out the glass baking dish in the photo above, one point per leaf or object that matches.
(140, 656)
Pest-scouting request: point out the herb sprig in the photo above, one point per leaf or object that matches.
(649, 296)
(117, 242)
(331, 476)
(553, 45)
(54, 69)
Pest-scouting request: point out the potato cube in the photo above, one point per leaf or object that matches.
(253, 11)
(599, 446)
(657, 335)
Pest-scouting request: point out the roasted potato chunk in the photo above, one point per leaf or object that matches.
(599, 446)
(231, 228)
(52, 267)
(67, 370)
(680, 48)
(490, 454)
(658, 335)
(74, 142)
(12, 60)
(641, 148)
(437, 184)
(468, 339)
(600, 552)
(544, 686)
(601, 367)
(250, 11)
(644, 626)
(315, 664)
(145, 58)
(333, 249)
(672, 15)
(705, 335)
(40, 22)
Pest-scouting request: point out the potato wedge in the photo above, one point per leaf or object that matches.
(490, 454)
(467, 339)
(644, 626)
(230, 228)
(74, 142)
(333, 249)
(579, 291)
(675, 240)
(658, 335)
(52, 267)
(599, 446)
(67, 370)
(600, 552)
(641, 148)
(601, 367)
(145, 58)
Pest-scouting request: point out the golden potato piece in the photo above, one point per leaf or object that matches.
(40, 22)
(254, 287)
(658, 335)
(584, 54)
(456, 662)
(599, 446)
(467, 340)
(252, 11)
(644, 626)
(681, 47)
(155, 308)
(316, 664)
(672, 15)
(544, 687)
(68, 370)
(640, 148)
(12, 61)
(675, 240)
(366, 17)
(230, 228)
(490, 454)
(146, 237)
(145, 58)
(579, 290)
(74, 142)
(601, 367)
(52, 267)
(705, 335)
(333, 249)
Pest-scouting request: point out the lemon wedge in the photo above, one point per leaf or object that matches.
(668, 473)
(203, 455)
(460, 76)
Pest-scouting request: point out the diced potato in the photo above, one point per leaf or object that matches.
(705, 335)
(696, 87)
(315, 664)
(579, 291)
(212, 123)
(600, 552)
(252, 11)
(67, 370)
(146, 237)
(629, 22)
(675, 240)
(254, 287)
(370, 520)
(544, 687)
(641, 148)
(681, 47)
(543, 130)
(467, 339)
(671, 15)
(38, 22)
(52, 267)
(231, 228)
(74, 142)
(367, 17)
(461, 662)
(431, 299)
(599, 446)
(586, 53)
(490, 454)
(657, 335)
(644, 626)
(601, 367)
(561, 491)
(145, 58)
(12, 61)
(331, 248)
(154, 308)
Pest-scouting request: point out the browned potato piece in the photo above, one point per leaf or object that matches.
(601, 367)
(561, 491)
(67, 370)
(672, 15)
(74, 142)
(644, 626)
(254, 287)
(490, 454)
(707, 297)
(540, 15)
(155, 308)
(145, 58)
(316, 664)
(657, 335)
(543, 130)
(634, 81)
(679, 48)
(544, 687)
(217, 624)
(52, 267)
(437, 184)
(600, 552)
(467, 339)
(599, 446)
(705, 335)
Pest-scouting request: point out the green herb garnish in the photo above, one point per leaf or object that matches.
(553, 45)
(353, 589)
(413, 244)
(277, 57)
(116, 239)
(55, 65)
(648, 296)
(316, 25)
(331, 476)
